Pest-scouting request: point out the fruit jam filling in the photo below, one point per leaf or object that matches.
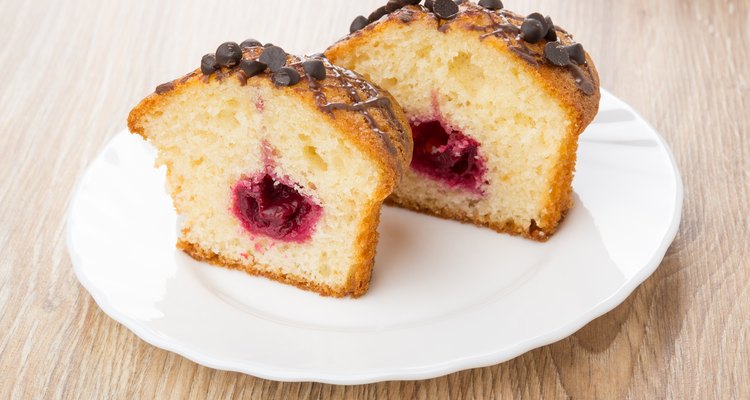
(265, 206)
(447, 155)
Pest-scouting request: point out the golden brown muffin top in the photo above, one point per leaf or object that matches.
(548, 51)
(364, 112)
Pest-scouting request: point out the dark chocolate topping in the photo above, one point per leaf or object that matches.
(445, 9)
(356, 87)
(551, 34)
(429, 5)
(582, 80)
(241, 77)
(187, 77)
(541, 19)
(532, 30)
(315, 69)
(208, 64)
(252, 67)
(411, 2)
(286, 76)
(228, 54)
(164, 88)
(393, 5)
(377, 14)
(491, 4)
(556, 54)
(274, 57)
(358, 23)
(363, 98)
(576, 53)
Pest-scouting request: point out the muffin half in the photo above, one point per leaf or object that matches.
(496, 102)
(278, 164)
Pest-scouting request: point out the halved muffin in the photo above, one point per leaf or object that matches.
(278, 164)
(496, 103)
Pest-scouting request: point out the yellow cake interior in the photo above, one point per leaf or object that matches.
(490, 95)
(211, 135)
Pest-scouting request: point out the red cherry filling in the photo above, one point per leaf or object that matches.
(447, 156)
(265, 206)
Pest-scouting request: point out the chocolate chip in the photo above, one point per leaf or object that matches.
(319, 55)
(228, 54)
(208, 64)
(551, 34)
(491, 4)
(459, 2)
(274, 57)
(576, 53)
(358, 23)
(315, 68)
(252, 67)
(411, 2)
(532, 30)
(269, 44)
(429, 4)
(556, 54)
(445, 9)
(250, 43)
(540, 18)
(286, 77)
(393, 5)
(377, 14)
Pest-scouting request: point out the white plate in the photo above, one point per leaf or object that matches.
(444, 296)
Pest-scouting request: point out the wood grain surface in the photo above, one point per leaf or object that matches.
(72, 69)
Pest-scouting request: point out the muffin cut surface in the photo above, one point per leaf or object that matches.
(275, 178)
(495, 120)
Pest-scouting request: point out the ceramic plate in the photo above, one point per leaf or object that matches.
(444, 296)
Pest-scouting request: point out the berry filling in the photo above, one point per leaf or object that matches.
(265, 206)
(447, 155)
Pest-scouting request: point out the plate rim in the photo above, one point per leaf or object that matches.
(428, 372)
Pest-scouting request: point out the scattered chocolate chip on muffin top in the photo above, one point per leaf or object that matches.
(557, 48)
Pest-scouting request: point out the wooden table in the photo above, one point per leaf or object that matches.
(73, 69)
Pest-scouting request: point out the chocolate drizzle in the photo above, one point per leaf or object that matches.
(242, 77)
(582, 81)
(164, 88)
(356, 87)
(187, 77)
